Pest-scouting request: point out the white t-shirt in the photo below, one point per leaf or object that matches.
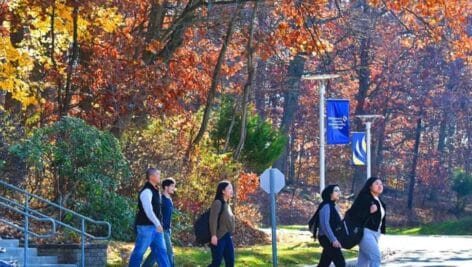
(382, 212)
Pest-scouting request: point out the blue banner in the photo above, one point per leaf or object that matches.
(337, 116)
(359, 149)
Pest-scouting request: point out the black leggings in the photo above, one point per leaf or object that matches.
(330, 254)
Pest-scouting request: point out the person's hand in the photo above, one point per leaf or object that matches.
(214, 240)
(159, 229)
(336, 244)
(373, 208)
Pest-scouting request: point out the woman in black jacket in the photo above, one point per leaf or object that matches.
(369, 210)
(329, 218)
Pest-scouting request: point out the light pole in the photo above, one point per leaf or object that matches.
(322, 78)
(368, 120)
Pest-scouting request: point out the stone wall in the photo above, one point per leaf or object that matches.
(95, 254)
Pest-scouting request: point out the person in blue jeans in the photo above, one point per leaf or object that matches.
(168, 187)
(222, 226)
(148, 227)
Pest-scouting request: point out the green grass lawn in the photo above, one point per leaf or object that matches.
(293, 227)
(291, 254)
(460, 227)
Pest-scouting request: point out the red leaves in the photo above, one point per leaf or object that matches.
(248, 183)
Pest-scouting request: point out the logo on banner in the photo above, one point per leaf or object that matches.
(337, 115)
(359, 149)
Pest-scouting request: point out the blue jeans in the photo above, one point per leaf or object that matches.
(224, 249)
(147, 235)
(149, 262)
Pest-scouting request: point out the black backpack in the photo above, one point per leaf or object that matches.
(201, 227)
(313, 224)
(348, 233)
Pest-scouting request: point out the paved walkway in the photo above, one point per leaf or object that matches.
(411, 251)
(416, 251)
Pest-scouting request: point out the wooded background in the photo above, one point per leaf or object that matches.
(212, 89)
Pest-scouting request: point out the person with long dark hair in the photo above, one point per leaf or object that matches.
(222, 225)
(369, 210)
(328, 218)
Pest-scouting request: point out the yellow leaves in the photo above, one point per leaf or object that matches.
(107, 18)
(15, 66)
(42, 22)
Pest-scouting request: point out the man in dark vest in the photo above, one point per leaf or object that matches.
(148, 226)
(168, 189)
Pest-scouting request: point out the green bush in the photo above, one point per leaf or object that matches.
(462, 185)
(263, 144)
(85, 167)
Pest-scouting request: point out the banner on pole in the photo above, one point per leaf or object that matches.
(337, 116)
(359, 149)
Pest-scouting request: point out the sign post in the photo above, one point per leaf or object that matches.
(368, 120)
(272, 181)
(323, 78)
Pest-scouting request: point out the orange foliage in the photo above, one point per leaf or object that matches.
(248, 183)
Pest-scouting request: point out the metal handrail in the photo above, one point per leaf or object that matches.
(49, 234)
(83, 219)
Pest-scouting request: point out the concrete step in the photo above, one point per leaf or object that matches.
(51, 265)
(18, 252)
(17, 264)
(8, 263)
(5, 243)
(11, 253)
(32, 259)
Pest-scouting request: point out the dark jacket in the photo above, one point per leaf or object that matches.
(167, 210)
(360, 212)
(141, 218)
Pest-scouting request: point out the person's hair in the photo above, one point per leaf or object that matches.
(326, 193)
(151, 171)
(368, 184)
(220, 188)
(167, 182)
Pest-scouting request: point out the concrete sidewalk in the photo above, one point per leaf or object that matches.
(423, 251)
(415, 251)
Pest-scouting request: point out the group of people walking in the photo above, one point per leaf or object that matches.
(368, 210)
(153, 224)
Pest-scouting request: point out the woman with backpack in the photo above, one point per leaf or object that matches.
(369, 210)
(327, 218)
(222, 225)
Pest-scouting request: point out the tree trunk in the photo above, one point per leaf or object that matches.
(291, 97)
(363, 73)
(259, 95)
(231, 125)
(215, 79)
(247, 86)
(412, 175)
(65, 101)
(379, 170)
